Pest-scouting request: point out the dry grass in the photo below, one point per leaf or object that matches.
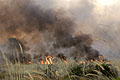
(56, 71)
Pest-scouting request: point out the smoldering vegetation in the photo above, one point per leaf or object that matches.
(81, 46)
(42, 31)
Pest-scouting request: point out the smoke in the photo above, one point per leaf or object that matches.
(33, 26)
(28, 18)
(38, 24)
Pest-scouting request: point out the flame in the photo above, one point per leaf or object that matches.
(42, 62)
(91, 60)
(30, 62)
(82, 62)
(101, 61)
(48, 60)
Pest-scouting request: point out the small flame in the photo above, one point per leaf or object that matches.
(96, 60)
(29, 62)
(82, 62)
(42, 62)
(91, 60)
(48, 60)
(101, 61)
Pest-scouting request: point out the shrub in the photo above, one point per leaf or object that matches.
(94, 70)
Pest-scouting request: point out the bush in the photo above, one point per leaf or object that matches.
(77, 70)
(108, 71)
(94, 70)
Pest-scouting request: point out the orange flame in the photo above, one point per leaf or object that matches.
(48, 60)
(91, 60)
(82, 62)
(29, 62)
(41, 62)
(101, 61)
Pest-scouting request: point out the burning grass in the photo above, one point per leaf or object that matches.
(33, 29)
(23, 67)
(60, 70)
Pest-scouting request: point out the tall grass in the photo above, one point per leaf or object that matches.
(58, 71)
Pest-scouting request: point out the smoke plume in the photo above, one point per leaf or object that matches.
(50, 26)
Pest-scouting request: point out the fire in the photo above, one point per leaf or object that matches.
(42, 62)
(91, 60)
(29, 62)
(101, 60)
(82, 62)
(48, 60)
